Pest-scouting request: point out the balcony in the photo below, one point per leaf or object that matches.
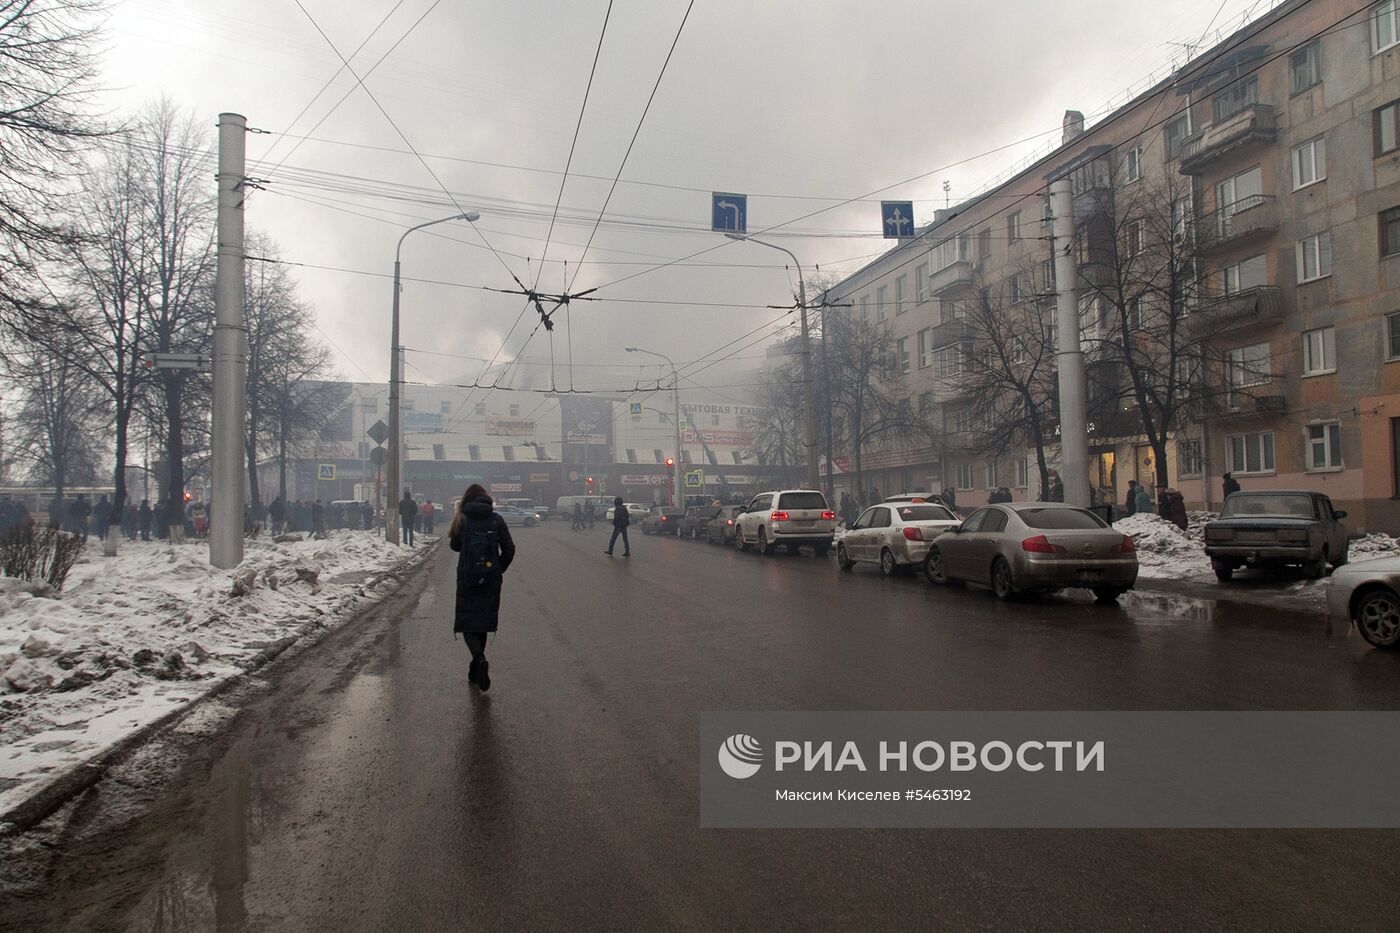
(1245, 219)
(952, 278)
(1254, 124)
(1216, 317)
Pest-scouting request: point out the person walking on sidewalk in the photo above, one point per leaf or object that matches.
(620, 522)
(408, 514)
(485, 548)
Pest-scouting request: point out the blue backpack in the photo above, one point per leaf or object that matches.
(481, 549)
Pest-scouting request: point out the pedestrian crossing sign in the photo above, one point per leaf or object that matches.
(325, 471)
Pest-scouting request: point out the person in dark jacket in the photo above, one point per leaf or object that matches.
(408, 514)
(620, 522)
(1229, 485)
(478, 606)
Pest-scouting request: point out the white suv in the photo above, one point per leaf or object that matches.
(790, 517)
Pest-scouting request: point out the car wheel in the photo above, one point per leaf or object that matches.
(763, 546)
(1223, 571)
(1108, 594)
(1003, 584)
(1377, 615)
(933, 567)
(843, 560)
(888, 565)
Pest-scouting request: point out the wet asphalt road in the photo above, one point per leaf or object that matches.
(367, 789)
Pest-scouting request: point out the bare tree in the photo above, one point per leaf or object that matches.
(48, 68)
(282, 355)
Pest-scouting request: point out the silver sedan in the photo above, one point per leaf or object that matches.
(1044, 546)
(1368, 594)
(895, 535)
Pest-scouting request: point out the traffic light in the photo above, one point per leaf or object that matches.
(670, 461)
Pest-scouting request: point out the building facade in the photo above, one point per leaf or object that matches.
(1282, 144)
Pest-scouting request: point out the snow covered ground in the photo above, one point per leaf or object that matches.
(133, 637)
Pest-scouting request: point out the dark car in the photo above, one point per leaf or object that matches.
(695, 519)
(665, 520)
(1277, 528)
(720, 529)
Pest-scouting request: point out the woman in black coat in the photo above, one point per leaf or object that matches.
(485, 550)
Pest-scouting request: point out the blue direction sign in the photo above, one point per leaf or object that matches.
(897, 219)
(729, 213)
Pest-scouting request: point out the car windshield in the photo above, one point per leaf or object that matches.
(1280, 506)
(802, 500)
(925, 513)
(1061, 519)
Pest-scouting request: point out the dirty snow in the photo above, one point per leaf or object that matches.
(133, 637)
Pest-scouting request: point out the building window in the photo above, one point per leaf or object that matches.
(1013, 288)
(984, 244)
(1325, 446)
(473, 452)
(1309, 163)
(1392, 336)
(1386, 122)
(1319, 351)
(1249, 273)
(900, 291)
(1251, 453)
(1175, 133)
(1390, 231)
(1249, 366)
(1188, 457)
(962, 476)
(1305, 66)
(921, 282)
(1013, 226)
(901, 351)
(507, 453)
(1023, 472)
(880, 310)
(1137, 237)
(657, 454)
(925, 348)
(1132, 165)
(1235, 98)
(1315, 257)
(481, 408)
(1385, 26)
(631, 455)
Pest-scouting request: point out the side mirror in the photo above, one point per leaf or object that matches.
(1340, 513)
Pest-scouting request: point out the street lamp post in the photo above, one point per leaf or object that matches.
(676, 392)
(391, 516)
(810, 441)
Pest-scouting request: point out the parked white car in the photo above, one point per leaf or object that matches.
(786, 517)
(894, 535)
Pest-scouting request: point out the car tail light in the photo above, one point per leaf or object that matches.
(1041, 545)
(913, 534)
(1126, 546)
(829, 516)
(777, 516)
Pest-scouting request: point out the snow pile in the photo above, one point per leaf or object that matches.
(133, 637)
(1368, 547)
(1163, 549)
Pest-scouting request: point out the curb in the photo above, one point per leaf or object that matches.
(77, 778)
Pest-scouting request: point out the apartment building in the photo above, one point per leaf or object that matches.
(1284, 142)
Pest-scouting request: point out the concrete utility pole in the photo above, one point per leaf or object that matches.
(676, 465)
(230, 352)
(1074, 438)
(809, 443)
(395, 457)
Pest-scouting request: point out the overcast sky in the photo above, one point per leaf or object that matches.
(800, 105)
